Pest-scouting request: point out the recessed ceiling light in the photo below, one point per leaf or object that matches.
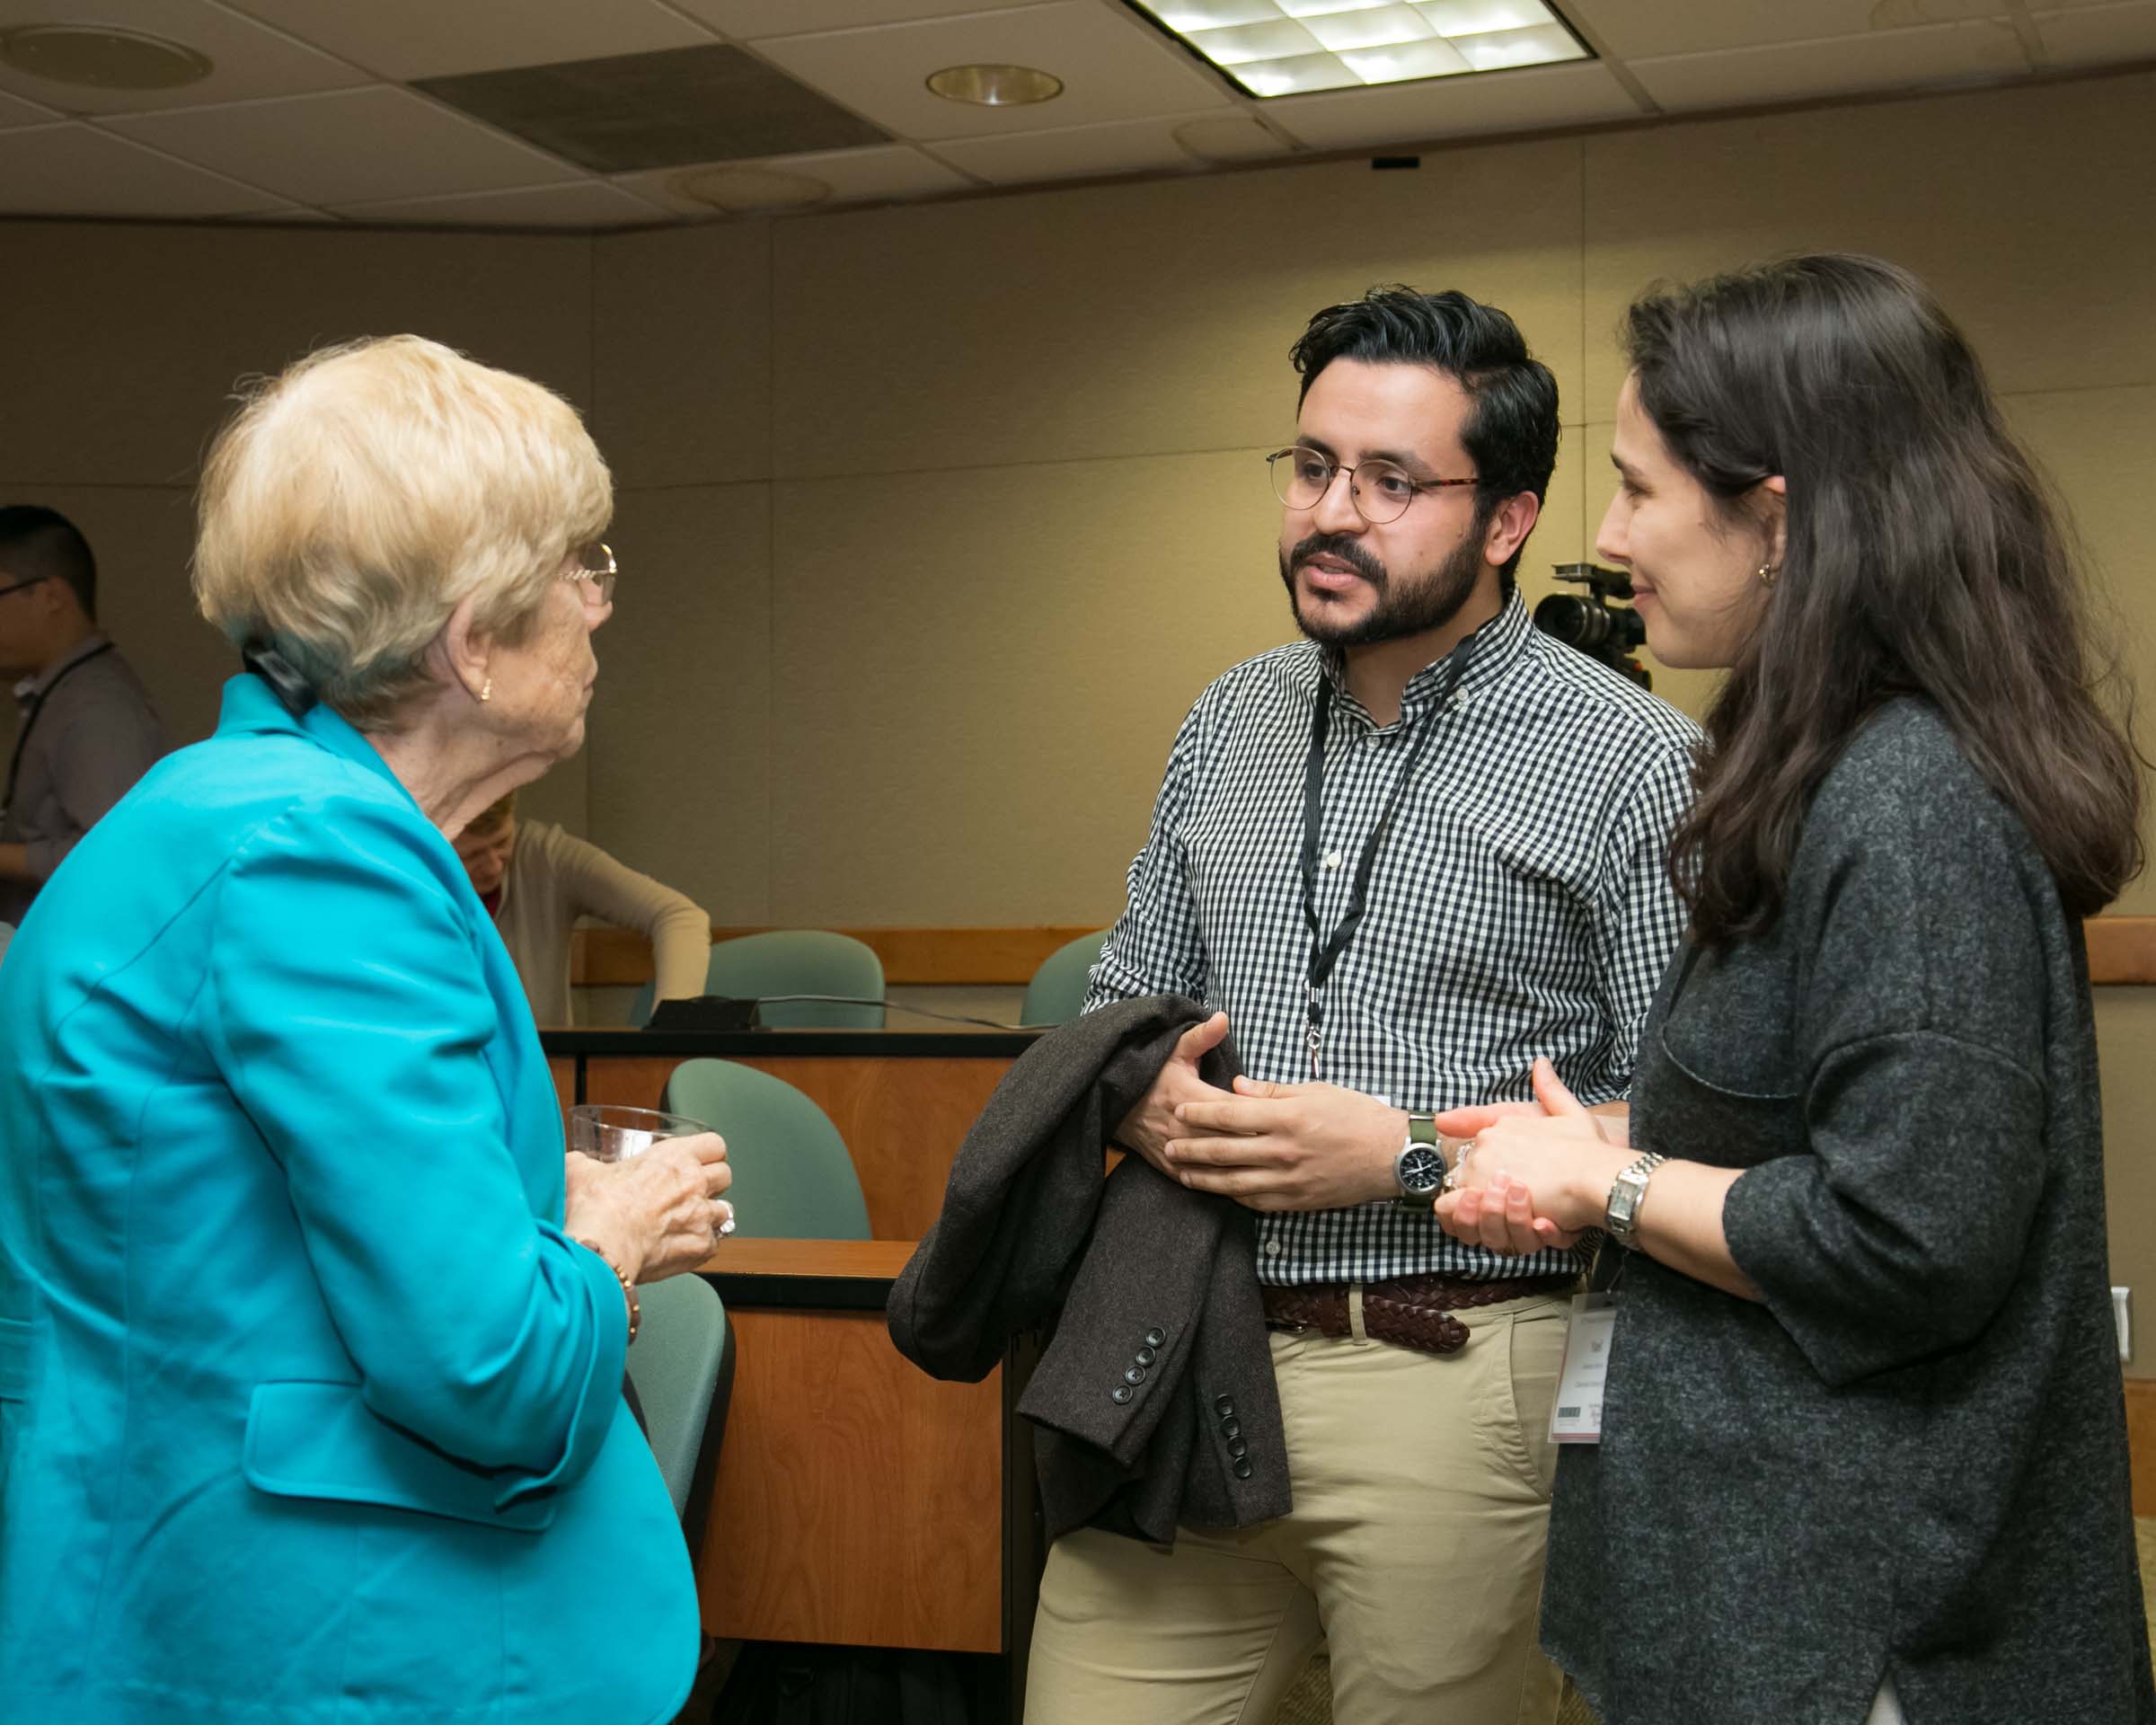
(742, 192)
(996, 87)
(1284, 48)
(101, 57)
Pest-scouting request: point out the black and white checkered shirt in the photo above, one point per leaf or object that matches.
(1521, 905)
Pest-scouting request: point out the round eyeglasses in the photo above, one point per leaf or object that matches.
(593, 565)
(1381, 491)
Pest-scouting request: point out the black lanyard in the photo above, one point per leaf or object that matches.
(1325, 952)
(29, 717)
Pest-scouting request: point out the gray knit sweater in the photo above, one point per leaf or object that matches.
(1911, 1456)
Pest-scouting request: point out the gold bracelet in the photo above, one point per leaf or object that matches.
(636, 1315)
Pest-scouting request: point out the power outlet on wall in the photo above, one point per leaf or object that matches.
(2125, 1324)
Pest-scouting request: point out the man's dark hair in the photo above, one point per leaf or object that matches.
(1511, 432)
(38, 544)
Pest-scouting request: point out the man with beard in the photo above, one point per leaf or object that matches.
(1402, 857)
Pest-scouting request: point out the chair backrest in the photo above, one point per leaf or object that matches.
(793, 962)
(1058, 987)
(793, 1176)
(682, 1364)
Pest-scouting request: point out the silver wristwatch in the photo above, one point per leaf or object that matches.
(1620, 1220)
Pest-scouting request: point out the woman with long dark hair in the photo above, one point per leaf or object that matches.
(1861, 1447)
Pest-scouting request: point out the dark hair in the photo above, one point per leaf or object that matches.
(1923, 556)
(38, 544)
(1511, 434)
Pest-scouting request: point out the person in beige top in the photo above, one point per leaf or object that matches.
(537, 880)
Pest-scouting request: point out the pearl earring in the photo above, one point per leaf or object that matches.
(486, 690)
(1767, 572)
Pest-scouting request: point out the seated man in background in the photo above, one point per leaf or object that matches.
(537, 880)
(87, 729)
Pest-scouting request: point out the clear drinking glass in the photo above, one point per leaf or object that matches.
(609, 1132)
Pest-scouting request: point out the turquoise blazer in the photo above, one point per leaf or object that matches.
(309, 1411)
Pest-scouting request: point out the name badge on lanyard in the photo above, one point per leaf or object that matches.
(1576, 1418)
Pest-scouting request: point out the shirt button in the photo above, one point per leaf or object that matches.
(1272, 1248)
(1332, 859)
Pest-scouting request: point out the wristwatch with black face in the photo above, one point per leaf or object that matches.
(1419, 1167)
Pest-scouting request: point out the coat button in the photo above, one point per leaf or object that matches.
(1154, 1338)
(1121, 1393)
(1238, 1449)
(1242, 1470)
(1223, 1404)
(1136, 1375)
(1230, 1427)
(1146, 1356)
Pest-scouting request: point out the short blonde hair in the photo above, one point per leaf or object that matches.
(356, 500)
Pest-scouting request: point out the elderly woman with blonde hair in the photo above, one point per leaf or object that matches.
(311, 1336)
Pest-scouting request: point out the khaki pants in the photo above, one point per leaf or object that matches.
(1415, 1547)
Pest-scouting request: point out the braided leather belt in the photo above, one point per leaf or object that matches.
(1410, 1311)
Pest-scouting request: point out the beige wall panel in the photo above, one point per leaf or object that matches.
(978, 675)
(124, 341)
(2041, 247)
(679, 749)
(2097, 445)
(2125, 1031)
(1111, 321)
(682, 346)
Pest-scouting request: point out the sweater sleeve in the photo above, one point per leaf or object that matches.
(594, 884)
(1920, 1030)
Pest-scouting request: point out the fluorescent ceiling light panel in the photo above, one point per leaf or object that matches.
(1499, 49)
(1278, 41)
(1295, 78)
(1282, 47)
(1476, 17)
(1380, 27)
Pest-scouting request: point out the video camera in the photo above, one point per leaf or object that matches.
(1588, 622)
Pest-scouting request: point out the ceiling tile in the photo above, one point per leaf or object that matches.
(632, 111)
(1791, 71)
(580, 204)
(74, 170)
(248, 60)
(1113, 66)
(854, 176)
(14, 112)
(1636, 28)
(1122, 147)
(1578, 94)
(2100, 35)
(424, 39)
(747, 20)
(349, 147)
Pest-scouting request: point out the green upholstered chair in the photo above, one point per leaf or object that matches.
(1058, 987)
(794, 961)
(682, 1364)
(793, 1177)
